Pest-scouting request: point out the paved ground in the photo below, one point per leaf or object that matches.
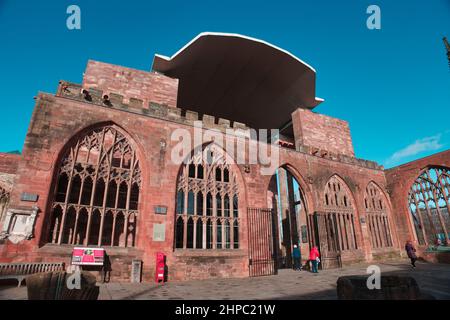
(433, 279)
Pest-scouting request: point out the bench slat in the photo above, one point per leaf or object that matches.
(22, 269)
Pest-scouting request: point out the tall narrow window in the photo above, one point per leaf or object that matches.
(92, 185)
(219, 205)
(179, 233)
(209, 205)
(219, 234)
(236, 234)
(199, 234)
(226, 202)
(212, 214)
(235, 206)
(180, 202)
(190, 207)
(200, 203)
(190, 233)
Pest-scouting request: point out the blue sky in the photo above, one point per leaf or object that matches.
(392, 85)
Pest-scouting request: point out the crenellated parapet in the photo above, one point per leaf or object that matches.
(116, 101)
(164, 112)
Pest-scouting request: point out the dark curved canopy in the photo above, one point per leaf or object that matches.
(241, 79)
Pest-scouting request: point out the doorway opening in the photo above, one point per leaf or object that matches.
(286, 199)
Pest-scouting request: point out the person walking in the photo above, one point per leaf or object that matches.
(314, 257)
(411, 252)
(297, 255)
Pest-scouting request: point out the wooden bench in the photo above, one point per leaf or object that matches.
(21, 270)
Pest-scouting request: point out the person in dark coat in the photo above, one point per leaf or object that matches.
(411, 252)
(296, 254)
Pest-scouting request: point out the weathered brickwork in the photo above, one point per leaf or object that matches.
(9, 162)
(143, 87)
(322, 132)
(323, 150)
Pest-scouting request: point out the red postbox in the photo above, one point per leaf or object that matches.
(160, 267)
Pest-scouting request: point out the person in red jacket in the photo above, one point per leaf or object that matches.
(314, 256)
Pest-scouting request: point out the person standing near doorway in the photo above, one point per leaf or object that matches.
(297, 255)
(314, 257)
(411, 252)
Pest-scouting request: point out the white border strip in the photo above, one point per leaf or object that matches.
(222, 34)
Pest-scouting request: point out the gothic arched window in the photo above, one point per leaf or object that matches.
(340, 215)
(97, 192)
(208, 187)
(376, 217)
(429, 203)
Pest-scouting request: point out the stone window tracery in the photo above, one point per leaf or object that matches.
(429, 203)
(340, 216)
(97, 192)
(207, 208)
(377, 219)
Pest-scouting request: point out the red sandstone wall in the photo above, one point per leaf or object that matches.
(322, 132)
(131, 83)
(56, 120)
(9, 162)
(400, 180)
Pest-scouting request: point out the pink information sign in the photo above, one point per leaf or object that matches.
(88, 256)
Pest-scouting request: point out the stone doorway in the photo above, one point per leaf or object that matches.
(286, 199)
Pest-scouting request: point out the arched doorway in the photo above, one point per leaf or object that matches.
(429, 204)
(291, 225)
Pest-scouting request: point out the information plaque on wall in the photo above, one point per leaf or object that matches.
(88, 256)
(159, 232)
(160, 209)
(30, 197)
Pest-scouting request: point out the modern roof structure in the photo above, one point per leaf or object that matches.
(240, 78)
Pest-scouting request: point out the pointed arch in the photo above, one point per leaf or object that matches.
(339, 214)
(337, 188)
(377, 218)
(429, 205)
(98, 173)
(293, 222)
(207, 183)
(303, 183)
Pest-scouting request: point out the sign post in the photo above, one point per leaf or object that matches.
(88, 256)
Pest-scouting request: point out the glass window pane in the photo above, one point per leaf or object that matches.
(190, 208)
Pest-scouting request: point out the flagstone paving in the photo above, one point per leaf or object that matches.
(433, 279)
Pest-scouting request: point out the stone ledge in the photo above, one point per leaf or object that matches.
(110, 251)
(238, 253)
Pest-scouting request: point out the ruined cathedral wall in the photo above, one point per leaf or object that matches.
(399, 182)
(61, 118)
